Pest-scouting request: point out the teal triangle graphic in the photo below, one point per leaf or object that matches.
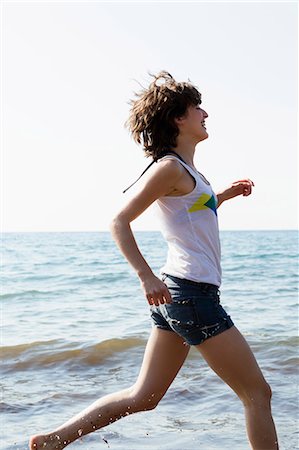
(211, 203)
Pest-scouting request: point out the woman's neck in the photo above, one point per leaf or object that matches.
(187, 154)
(186, 148)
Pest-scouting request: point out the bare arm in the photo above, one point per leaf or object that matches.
(160, 183)
(241, 187)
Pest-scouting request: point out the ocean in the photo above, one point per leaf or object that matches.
(75, 324)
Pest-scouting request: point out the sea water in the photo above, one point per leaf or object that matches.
(75, 324)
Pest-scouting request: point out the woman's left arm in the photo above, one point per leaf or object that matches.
(241, 187)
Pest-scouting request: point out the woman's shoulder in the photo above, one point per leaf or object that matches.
(163, 177)
(170, 165)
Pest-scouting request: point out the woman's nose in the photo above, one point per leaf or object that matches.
(205, 114)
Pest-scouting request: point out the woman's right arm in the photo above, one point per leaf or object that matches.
(160, 183)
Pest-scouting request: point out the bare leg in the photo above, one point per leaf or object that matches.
(164, 355)
(230, 356)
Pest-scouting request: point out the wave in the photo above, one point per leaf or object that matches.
(7, 408)
(43, 354)
(32, 292)
(12, 351)
(59, 284)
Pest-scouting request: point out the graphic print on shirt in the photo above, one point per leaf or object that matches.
(205, 201)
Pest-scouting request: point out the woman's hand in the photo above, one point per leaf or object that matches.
(240, 187)
(155, 290)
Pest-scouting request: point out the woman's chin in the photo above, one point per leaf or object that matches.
(203, 137)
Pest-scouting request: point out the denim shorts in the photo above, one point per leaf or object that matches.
(195, 312)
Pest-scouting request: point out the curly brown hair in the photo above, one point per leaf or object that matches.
(151, 120)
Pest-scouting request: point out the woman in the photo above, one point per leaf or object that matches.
(185, 307)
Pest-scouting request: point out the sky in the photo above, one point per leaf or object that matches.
(69, 70)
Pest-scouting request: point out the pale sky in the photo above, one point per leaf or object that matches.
(69, 70)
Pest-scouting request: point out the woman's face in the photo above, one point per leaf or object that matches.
(193, 123)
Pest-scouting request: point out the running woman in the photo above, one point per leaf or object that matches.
(184, 302)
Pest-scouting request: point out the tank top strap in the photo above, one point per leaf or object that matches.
(193, 172)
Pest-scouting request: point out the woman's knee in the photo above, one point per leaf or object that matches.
(259, 395)
(144, 400)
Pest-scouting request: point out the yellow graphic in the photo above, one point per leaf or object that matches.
(205, 201)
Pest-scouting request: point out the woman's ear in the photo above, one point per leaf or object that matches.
(179, 120)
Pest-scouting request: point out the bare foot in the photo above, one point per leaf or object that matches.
(46, 442)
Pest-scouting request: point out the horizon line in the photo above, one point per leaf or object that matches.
(143, 231)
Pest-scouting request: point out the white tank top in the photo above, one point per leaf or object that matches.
(189, 225)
